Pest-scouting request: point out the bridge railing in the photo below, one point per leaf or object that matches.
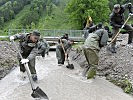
(49, 33)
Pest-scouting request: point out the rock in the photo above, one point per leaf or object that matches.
(7, 58)
(113, 66)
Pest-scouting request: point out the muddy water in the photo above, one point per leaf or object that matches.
(59, 83)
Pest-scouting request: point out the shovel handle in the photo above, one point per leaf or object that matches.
(26, 66)
(64, 50)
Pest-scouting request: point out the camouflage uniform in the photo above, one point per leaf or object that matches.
(116, 21)
(43, 47)
(92, 47)
(28, 51)
(60, 55)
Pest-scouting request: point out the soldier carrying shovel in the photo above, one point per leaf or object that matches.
(117, 23)
(29, 50)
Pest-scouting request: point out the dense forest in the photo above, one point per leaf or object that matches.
(57, 14)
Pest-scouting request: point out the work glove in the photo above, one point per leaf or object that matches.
(11, 38)
(23, 61)
(130, 14)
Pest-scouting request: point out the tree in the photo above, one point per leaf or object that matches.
(30, 17)
(1, 21)
(80, 9)
(33, 26)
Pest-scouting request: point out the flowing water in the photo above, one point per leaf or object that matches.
(59, 83)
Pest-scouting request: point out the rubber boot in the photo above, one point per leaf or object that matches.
(130, 37)
(112, 49)
(91, 73)
(70, 66)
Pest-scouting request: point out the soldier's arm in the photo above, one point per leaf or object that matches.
(33, 53)
(19, 36)
(104, 38)
(41, 49)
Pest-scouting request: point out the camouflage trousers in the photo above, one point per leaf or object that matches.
(60, 55)
(92, 58)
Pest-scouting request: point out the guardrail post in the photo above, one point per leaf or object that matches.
(24, 30)
(54, 33)
(9, 32)
(70, 33)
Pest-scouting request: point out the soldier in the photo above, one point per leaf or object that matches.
(60, 54)
(92, 29)
(91, 49)
(65, 36)
(28, 49)
(117, 20)
(43, 47)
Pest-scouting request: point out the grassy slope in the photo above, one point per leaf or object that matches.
(58, 20)
(14, 23)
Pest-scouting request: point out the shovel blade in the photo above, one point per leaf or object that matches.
(70, 66)
(38, 93)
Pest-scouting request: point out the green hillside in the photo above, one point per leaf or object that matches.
(15, 23)
(53, 14)
(58, 19)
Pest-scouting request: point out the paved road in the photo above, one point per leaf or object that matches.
(59, 83)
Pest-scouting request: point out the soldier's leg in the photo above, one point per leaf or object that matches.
(47, 51)
(31, 65)
(58, 54)
(114, 32)
(93, 62)
(43, 53)
(62, 57)
(129, 28)
(92, 59)
(22, 68)
(87, 59)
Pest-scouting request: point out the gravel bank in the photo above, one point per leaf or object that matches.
(7, 58)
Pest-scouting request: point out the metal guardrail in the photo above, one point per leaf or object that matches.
(52, 35)
(4, 36)
(49, 32)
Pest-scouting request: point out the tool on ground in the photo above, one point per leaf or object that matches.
(70, 66)
(120, 29)
(37, 92)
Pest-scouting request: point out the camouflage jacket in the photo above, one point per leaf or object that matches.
(43, 45)
(97, 39)
(28, 49)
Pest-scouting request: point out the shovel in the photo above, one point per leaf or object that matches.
(37, 92)
(69, 66)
